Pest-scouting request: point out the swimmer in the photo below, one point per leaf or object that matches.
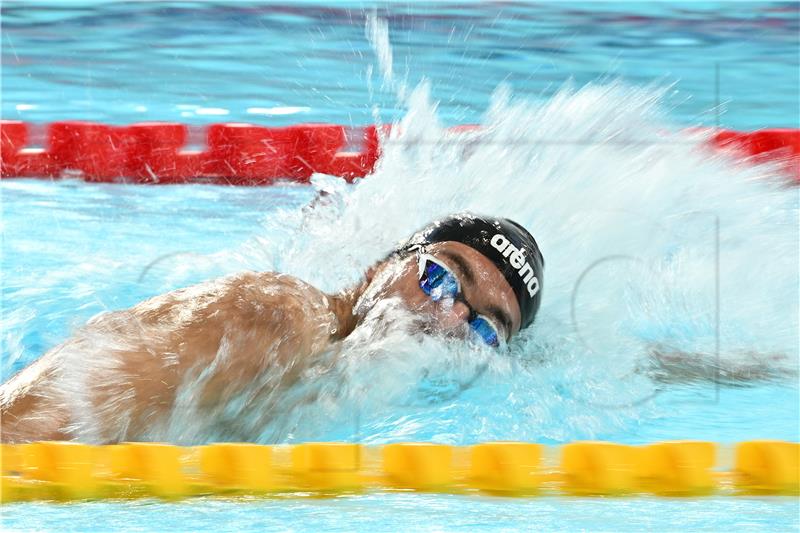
(471, 277)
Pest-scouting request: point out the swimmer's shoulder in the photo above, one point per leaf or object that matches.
(286, 306)
(253, 290)
(251, 299)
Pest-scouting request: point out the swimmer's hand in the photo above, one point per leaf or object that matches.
(677, 366)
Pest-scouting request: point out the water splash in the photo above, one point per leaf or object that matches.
(638, 224)
(377, 33)
(664, 262)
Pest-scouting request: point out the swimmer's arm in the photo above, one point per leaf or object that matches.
(678, 366)
(222, 341)
(265, 323)
(27, 412)
(221, 334)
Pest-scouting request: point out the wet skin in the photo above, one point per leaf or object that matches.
(117, 378)
(483, 287)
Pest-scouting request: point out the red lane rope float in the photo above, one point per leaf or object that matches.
(246, 154)
(240, 154)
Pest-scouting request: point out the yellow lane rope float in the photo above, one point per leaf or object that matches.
(64, 471)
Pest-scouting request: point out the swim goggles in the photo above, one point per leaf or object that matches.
(440, 283)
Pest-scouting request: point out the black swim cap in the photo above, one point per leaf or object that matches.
(504, 242)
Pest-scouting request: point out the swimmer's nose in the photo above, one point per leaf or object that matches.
(453, 314)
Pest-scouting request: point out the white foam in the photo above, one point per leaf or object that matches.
(628, 209)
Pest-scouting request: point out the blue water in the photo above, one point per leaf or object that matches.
(416, 512)
(592, 71)
(132, 61)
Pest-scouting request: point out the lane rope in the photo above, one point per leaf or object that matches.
(71, 471)
(247, 154)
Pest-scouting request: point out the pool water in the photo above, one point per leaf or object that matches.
(414, 512)
(585, 110)
(281, 63)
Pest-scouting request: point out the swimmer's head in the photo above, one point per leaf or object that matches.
(474, 275)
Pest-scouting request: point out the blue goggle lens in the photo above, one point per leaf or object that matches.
(485, 330)
(439, 283)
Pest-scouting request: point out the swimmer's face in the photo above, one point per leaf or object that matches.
(483, 288)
